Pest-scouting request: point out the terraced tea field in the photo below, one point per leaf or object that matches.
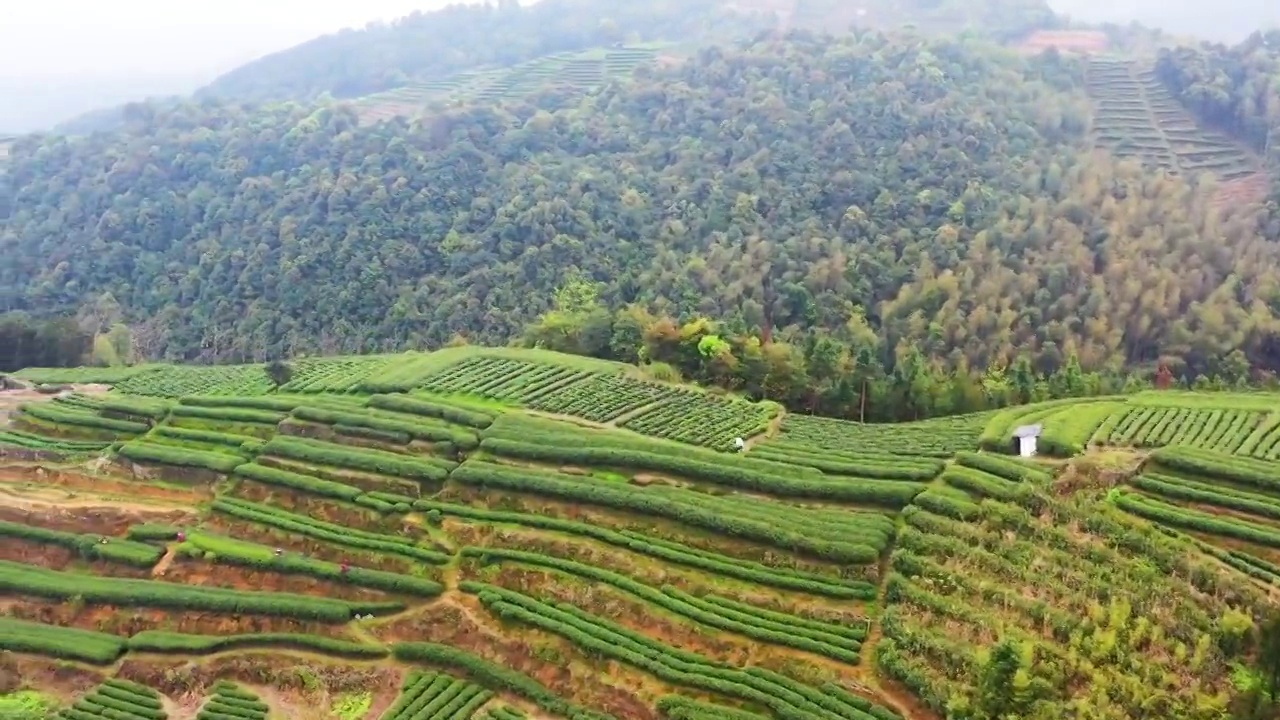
(503, 534)
(578, 71)
(1135, 116)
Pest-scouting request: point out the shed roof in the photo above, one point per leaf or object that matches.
(1028, 431)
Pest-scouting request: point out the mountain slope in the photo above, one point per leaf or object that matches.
(934, 188)
(432, 46)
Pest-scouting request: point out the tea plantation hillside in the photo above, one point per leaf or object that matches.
(575, 71)
(503, 533)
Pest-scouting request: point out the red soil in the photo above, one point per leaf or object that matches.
(1078, 41)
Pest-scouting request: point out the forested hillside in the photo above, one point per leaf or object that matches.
(891, 192)
(1235, 88)
(431, 46)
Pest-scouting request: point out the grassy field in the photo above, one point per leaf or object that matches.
(502, 533)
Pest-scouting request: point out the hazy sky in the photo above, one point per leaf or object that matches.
(88, 38)
(59, 58)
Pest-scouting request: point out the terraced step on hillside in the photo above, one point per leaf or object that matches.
(576, 70)
(1135, 116)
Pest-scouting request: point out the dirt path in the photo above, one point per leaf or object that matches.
(36, 498)
(775, 427)
(162, 567)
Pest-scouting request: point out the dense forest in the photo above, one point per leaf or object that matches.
(887, 192)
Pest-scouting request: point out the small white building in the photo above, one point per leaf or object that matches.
(1024, 439)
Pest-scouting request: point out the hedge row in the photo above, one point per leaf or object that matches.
(261, 557)
(987, 485)
(306, 483)
(891, 494)
(872, 466)
(270, 404)
(495, 677)
(59, 642)
(437, 697)
(1181, 489)
(545, 431)
(231, 702)
(748, 624)
(50, 413)
(626, 497)
(132, 693)
(949, 502)
(230, 414)
(203, 436)
(328, 532)
(676, 707)
(1194, 520)
(1249, 471)
(374, 461)
(1007, 468)
(90, 547)
(788, 699)
(435, 432)
(1067, 432)
(153, 532)
(159, 641)
(433, 408)
(385, 436)
(142, 451)
(852, 632)
(997, 435)
(19, 579)
(32, 441)
(782, 578)
(150, 409)
(505, 712)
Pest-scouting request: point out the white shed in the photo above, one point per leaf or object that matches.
(1024, 439)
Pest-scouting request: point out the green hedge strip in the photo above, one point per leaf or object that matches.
(783, 578)
(676, 707)
(159, 641)
(854, 490)
(59, 642)
(1259, 473)
(142, 451)
(261, 557)
(89, 547)
(690, 607)
(306, 483)
(230, 414)
(235, 442)
(494, 677)
(488, 475)
(19, 579)
(415, 428)
(433, 408)
(374, 461)
(1007, 468)
(329, 532)
(49, 413)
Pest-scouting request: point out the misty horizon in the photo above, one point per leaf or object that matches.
(62, 58)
